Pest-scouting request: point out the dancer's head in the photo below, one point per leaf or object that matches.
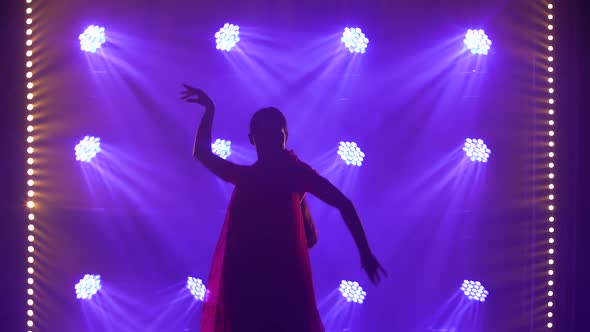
(268, 130)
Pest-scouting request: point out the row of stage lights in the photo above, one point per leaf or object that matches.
(351, 291)
(475, 149)
(476, 40)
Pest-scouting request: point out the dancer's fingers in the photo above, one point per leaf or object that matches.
(188, 87)
(189, 92)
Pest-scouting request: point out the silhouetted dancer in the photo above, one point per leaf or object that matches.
(260, 278)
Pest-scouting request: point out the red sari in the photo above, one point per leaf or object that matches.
(260, 279)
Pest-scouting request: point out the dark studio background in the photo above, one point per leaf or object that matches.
(573, 167)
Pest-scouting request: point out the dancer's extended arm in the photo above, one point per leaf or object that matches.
(327, 192)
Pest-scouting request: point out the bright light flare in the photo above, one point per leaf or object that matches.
(221, 148)
(197, 288)
(351, 153)
(476, 150)
(474, 290)
(92, 38)
(227, 37)
(477, 41)
(87, 148)
(88, 286)
(352, 291)
(354, 39)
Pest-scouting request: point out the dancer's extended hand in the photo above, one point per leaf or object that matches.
(194, 95)
(370, 264)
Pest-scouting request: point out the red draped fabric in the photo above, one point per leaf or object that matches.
(260, 278)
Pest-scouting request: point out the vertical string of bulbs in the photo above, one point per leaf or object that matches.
(550, 167)
(30, 165)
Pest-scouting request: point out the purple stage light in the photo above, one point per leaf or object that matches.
(354, 39)
(222, 148)
(476, 150)
(87, 148)
(477, 41)
(351, 153)
(474, 290)
(352, 291)
(227, 37)
(88, 287)
(197, 288)
(92, 38)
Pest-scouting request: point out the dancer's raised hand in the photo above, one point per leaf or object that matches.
(194, 95)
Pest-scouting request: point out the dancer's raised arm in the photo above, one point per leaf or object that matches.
(224, 169)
